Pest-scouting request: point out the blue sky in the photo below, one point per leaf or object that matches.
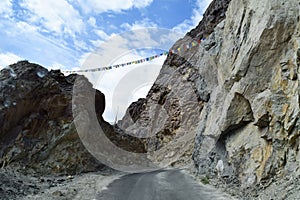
(62, 34)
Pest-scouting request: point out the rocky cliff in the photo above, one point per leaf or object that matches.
(37, 131)
(230, 104)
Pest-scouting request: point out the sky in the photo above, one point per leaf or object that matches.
(72, 35)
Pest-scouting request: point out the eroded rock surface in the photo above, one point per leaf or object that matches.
(237, 92)
(168, 118)
(37, 130)
(255, 132)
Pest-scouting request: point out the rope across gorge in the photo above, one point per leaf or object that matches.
(148, 59)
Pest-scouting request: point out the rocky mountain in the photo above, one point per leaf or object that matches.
(37, 131)
(230, 104)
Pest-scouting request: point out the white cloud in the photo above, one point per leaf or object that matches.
(25, 27)
(32, 45)
(141, 3)
(111, 26)
(188, 24)
(56, 16)
(8, 58)
(12, 28)
(6, 8)
(145, 23)
(123, 48)
(82, 59)
(102, 34)
(81, 45)
(125, 85)
(56, 66)
(97, 43)
(202, 5)
(97, 6)
(92, 21)
(183, 27)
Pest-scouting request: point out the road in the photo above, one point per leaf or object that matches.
(160, 185)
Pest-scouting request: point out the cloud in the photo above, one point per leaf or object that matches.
(8, 58)
(188, 24)
(55, 16)
(125, 85)
(145, 23)
(98, 7)
(24, 27)
(123, 48)
(82, 60)
(202, 5)
(32, 45)
(92, 22)
(59, 33)
(6, 8)
(141, 3)
(56, 66)
(81, 45)
(96, 43)
(101, 34)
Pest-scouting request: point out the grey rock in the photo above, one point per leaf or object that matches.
(245, 76)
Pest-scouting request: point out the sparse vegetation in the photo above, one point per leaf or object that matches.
(205, 180)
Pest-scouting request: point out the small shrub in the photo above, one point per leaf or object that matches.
(205, 180)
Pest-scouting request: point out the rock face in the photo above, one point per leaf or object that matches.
(37, 130)
(168, 118)
(251, 119)
(234, 99)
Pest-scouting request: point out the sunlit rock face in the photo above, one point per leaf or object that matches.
(37, 130)
(234, 98)
(252, 115)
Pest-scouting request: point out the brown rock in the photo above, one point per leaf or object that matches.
(37, 129)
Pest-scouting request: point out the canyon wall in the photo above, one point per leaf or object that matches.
(230, 104)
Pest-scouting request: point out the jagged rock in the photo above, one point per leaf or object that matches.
(249, 62)
(36, 128)
(170, 114)
(214, 14)
(36, 122)
(237, 114)
(136, 108)
(260, 109)
(245, 77)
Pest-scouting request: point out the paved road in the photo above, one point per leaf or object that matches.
(161, 185)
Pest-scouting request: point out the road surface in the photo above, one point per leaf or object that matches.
(160, 185)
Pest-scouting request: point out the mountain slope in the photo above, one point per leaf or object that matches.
(232, 103)
(37, 130)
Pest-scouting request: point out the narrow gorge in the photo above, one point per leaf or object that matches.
(227, 110)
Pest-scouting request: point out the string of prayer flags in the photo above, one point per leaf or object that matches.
(148, 59)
